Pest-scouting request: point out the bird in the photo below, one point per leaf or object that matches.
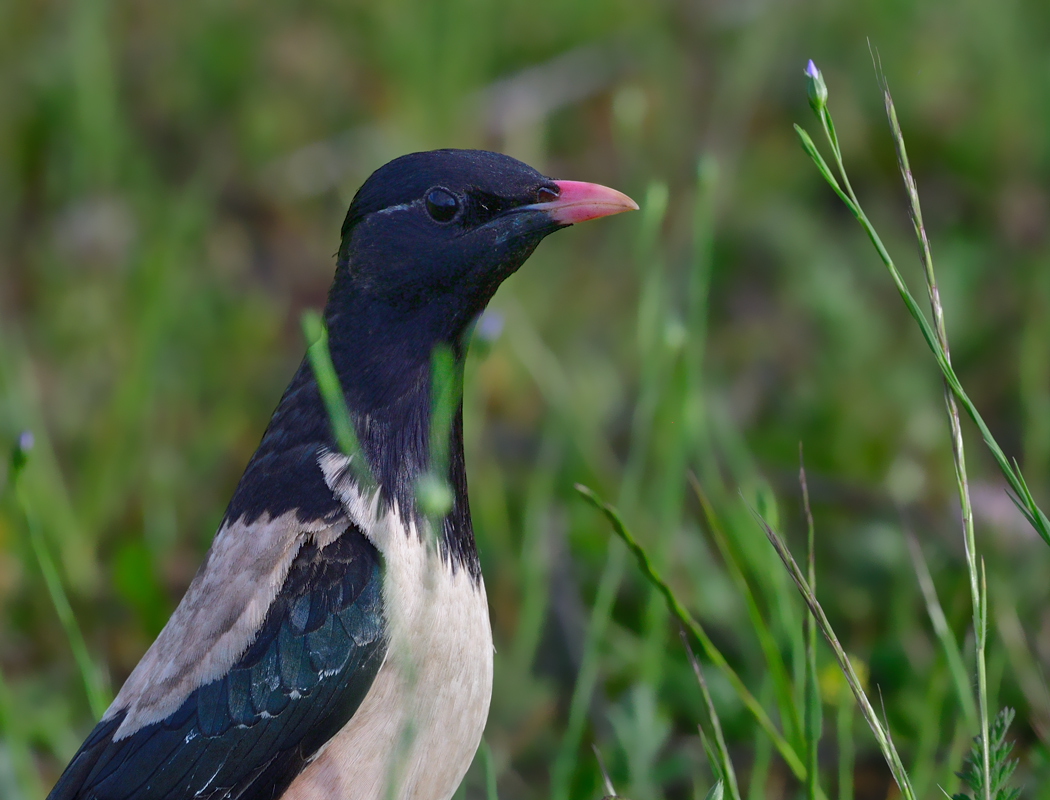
(335, 643)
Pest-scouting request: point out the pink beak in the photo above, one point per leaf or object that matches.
(577, 202)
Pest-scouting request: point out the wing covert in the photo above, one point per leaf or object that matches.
(247, 734)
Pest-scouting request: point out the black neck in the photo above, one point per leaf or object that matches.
(385, 375)
(384, 365)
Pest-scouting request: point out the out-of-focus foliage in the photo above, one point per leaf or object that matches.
(172, 180)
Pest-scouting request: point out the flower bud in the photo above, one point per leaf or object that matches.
(20, 452)
(816, 89)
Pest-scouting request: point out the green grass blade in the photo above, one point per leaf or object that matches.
(882, 736)
(712, 759)
(785, 749)
(811, 689)
(332, 395)
(960, 675)
(818, 160)
(758, 775)
(978, 599)
(721, 750)
(783, 692)
(607, 786)
(433, 492)
(716, 792)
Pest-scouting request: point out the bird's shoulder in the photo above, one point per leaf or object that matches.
(283, 473)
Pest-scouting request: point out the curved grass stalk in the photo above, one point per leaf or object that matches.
(787, 752)
(882, 734)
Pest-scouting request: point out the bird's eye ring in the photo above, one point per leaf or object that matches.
(442, 205)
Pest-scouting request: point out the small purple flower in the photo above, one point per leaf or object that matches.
(20, 453)
(816, 89)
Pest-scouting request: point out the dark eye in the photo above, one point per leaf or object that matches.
(442, 205)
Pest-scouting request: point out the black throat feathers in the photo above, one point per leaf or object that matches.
(385, 374)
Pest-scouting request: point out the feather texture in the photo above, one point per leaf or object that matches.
(248, 733)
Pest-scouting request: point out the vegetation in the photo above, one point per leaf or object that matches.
(172, 180)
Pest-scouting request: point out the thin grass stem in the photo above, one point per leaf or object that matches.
(334, 400)
(433, 492)
(811, 689)
(979, 601)
(981, 626)
(758, 775)
(943, 633)
(778, 673)
(607, 785)
(712, 759)
(721, 750)
(785, 749)
(882, 735)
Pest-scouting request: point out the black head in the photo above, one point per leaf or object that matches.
(428, 239)
(430, 236)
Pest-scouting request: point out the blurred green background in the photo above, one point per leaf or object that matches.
(172, 181)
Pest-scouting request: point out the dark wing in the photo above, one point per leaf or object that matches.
(268, 655)
(248, 734)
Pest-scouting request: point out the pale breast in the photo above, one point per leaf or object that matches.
(421, 722)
